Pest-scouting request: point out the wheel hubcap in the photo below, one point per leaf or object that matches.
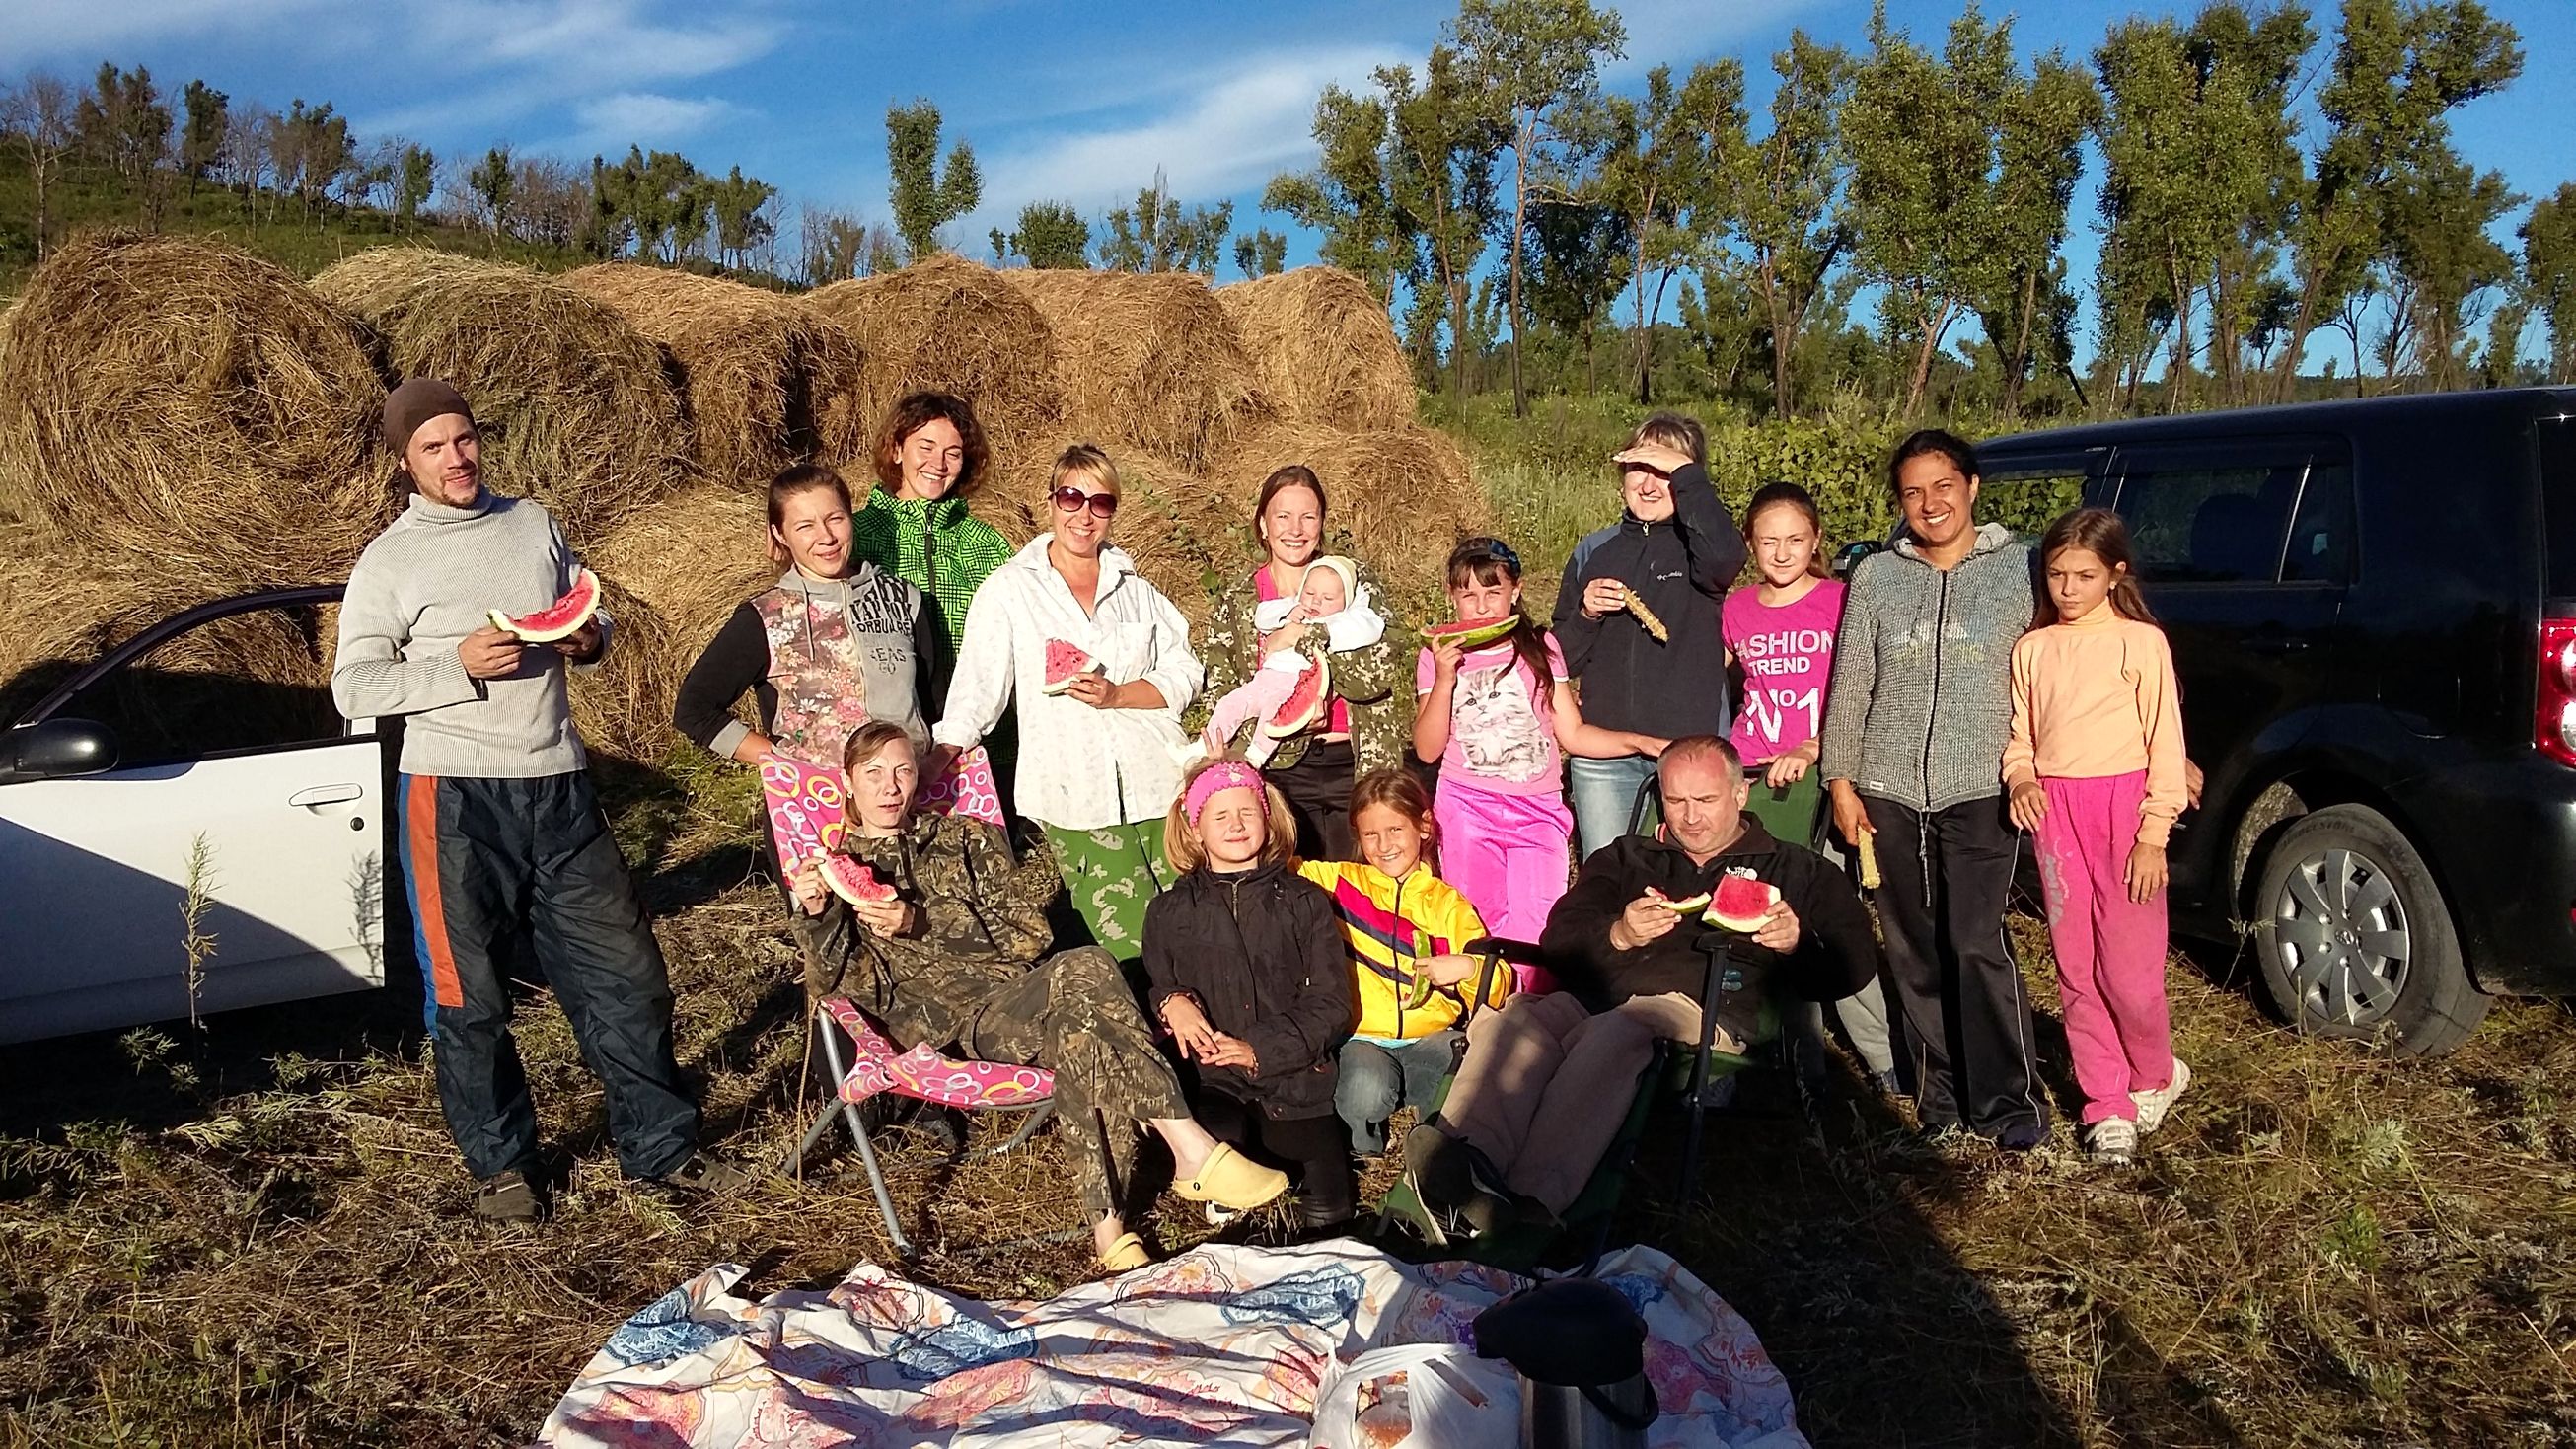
(2342, 933)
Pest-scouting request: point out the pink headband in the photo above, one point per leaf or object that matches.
(1222, 776)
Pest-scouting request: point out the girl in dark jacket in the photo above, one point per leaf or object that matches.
(1247, 971)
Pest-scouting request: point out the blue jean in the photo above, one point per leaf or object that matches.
(1374, 1080)
(1604, 796)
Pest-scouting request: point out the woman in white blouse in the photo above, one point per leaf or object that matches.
(1099, 760)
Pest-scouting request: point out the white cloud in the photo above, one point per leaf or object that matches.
(82, 31)
(1680, 32)
(642, 118)
(1227, 134)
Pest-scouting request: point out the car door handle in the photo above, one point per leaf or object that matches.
(2278, 644)
(324, 795)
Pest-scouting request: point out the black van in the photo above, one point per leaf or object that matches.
(2373, 612)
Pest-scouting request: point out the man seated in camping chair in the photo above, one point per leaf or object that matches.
(1547, 1080)
(955, 953)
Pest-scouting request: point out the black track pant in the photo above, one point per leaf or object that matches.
(483, 858)
(1316, 1151)
(1945, 877)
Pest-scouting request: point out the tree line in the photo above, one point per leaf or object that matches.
(1896, 220)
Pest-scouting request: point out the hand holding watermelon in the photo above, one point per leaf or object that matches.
(489, 653)
(1649, 918)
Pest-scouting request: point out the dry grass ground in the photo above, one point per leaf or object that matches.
(258, 1238)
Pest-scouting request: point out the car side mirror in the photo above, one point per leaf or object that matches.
(1849, 556)
(58, 748)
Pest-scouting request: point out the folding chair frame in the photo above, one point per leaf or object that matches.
(1033, 1115)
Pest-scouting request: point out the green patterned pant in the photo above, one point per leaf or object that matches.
(1111, 873)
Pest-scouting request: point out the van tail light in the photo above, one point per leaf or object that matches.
(2553, 723)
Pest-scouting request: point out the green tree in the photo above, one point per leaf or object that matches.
(1778, 194)
(2020, 285)
(1051, 236)
(495, 185)
(926, 197)
(1531, 60)
(1578, 259)
(742, 220)
(2439, 249)
(201, 139)
(122, 123)
(416, 177)
(1445, 143)
(2398, 72)
(1656, 174)
(1349, 195)
(1156, 235)
(1260, 253)
(2549, 274)
(37, 114)
(834, 245)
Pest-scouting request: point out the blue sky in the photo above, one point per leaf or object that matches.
(1072, 102)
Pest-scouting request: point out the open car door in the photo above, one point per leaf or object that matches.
(142, 783)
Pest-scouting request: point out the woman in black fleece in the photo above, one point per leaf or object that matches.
(1248, 974)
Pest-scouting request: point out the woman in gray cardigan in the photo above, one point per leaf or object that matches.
(1915, 726)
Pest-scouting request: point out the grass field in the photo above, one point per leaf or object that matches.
(258, 1237)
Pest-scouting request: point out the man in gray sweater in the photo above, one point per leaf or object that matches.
(500, 829)
(1913, 748)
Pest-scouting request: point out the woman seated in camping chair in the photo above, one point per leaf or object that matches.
(1547, 1079)
(956, 954)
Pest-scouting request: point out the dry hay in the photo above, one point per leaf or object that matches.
(575, 406)
(949, 325)
(1404, 495)
(179, 396)
(1146, 360)
(623, 707)
(767, 382)
(690, 562)
(1323, 349)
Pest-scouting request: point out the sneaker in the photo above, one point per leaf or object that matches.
(702, 1173)
(2152, 1106)
(1219, 1215)
(1438, 1169)
(1887, 1085)
(2113, 1142)
(2022, 1137)
(507, 1198)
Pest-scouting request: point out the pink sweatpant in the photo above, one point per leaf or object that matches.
(2110, 951)
(1509, 855)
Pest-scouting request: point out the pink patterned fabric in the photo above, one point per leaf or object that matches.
(808, 806)
(925, 1075)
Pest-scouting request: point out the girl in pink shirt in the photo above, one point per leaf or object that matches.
(1780, 633)
(2095, 766)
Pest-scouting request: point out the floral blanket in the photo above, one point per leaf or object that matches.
(1329, 1346)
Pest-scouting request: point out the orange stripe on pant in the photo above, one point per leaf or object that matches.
(420, 822)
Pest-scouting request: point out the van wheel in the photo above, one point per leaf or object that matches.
(2354, 939)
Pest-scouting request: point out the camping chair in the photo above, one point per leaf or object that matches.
(874, 1066)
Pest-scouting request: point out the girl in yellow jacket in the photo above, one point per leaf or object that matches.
(1406, 930)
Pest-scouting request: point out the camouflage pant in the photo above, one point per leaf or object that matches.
(1111, 873)
(1074, 1015)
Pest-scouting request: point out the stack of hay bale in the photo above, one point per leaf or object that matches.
(180, 421)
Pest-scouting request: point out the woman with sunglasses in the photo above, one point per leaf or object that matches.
(1369, 726)
(1100, 755)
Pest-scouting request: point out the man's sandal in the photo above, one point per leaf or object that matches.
(706, 1174)
(1126, 1255)
(1230, 1179)
(506, 1198)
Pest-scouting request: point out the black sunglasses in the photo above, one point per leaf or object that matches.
(1070, 499)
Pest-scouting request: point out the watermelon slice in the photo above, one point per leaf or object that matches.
(1419, 996)
(1740, 904)
(1305, 704)
(1471, 636)
(1065, 663)
(559, 619)
(853, 881)
(1680, 907)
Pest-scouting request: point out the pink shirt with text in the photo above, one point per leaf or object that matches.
(1786, 653)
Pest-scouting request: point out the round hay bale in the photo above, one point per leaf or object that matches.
(1322, 348)
(950, 325)
(692, 559)
(767, 382)
(1145, 359)
(576, 408)
(179, 396)
(623, 708)
(1403, 495)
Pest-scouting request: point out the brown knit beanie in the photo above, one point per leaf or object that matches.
(415, 402)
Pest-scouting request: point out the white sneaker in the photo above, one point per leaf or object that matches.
(2152, 1106)
(2112, 1141)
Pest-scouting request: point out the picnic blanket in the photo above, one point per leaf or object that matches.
(1329, 1346)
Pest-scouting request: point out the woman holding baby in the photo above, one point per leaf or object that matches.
(1285, 608)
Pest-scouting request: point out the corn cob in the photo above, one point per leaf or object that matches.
(1646, 619)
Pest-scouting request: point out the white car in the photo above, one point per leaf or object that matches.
(114, 782)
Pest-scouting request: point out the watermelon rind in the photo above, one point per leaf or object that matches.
(1471, 636)
(1313, 696)
(559, 620)
(1065, 681)
(1420, 994)
(1687, 904)
(853, 881)
(1744, 913)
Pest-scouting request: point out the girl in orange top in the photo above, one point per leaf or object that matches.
(2095, 767)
